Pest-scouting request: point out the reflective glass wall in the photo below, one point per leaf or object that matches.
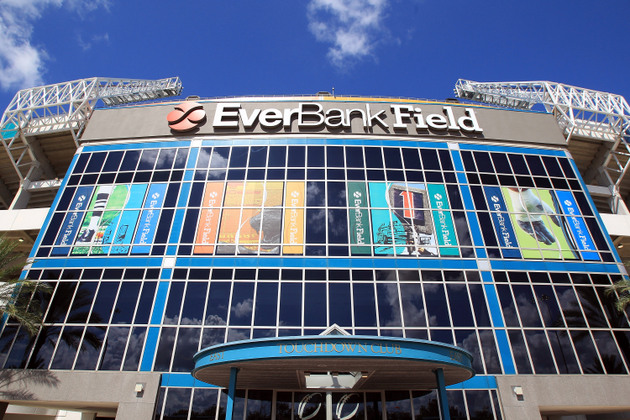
(157, 250)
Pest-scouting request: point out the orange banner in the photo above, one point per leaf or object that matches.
(209, 219)
(294, 218)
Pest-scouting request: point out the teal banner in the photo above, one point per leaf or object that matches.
(360, 232)
(443, 220)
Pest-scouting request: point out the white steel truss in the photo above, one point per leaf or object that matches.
(590, 114)
(66, 107)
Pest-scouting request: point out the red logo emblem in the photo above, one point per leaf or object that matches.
(186, 116)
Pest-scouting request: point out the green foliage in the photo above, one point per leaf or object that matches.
(17, 296)
(622, 288)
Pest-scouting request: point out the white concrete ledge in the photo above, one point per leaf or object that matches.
(616, 224)
(24, 219)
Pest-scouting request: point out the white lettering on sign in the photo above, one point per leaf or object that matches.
(313, 115)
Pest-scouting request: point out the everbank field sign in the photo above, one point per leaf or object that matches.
(311, 116)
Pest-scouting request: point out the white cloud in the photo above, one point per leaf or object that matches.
(352, 27)
(22, 64)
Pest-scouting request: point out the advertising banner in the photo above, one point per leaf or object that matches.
(502, 224)
(121, 233)
(406, 228)
(443, 220)
(360, 233)
(209, 218)
(577, 226)
(149, 219)
(294, 218)
(257, 227)
(540, 231)
(103, 213)
(72, 221)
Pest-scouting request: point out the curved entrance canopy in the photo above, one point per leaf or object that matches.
(333, 362)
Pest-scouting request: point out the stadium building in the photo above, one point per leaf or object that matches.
(317, 257)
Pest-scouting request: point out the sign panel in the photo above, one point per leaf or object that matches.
(294, 218)
(359, 219)
(443, 219)
(502, 225)
(72, 221)
(577, 226)
(149, 219)
(209, 219)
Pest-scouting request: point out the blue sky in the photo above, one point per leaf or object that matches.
(409, 48)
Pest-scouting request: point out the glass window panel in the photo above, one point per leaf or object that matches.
(412, 305)
(490, 354)
(535, 165)
(113, 161)
(315, 194)
(388, 305)
(501, 163)
(259, 405)
(586, 352)
(61, 302)
(337, 226)
(479, 405)
(373, 157)
(238, 158)
(90, 348)
(114, 348)
(258, 156)
(398, 405)
(623, 339)
(290, 305)
(80, 165)
(540, 352)
(518, 164)
(96, 162)
(309, 405)
(507, 305)
(570, 307)
(174, 303)
(147, 161)
(212, 336)
(219, 158)
(19, 351)
(592, 310)
(146, 300)
(364, 305)
(526, 306)
(187, 346)
(82, 302)
(134, 348)
(437, 309)
(334, 157)
(467, 339)
(8, 334)
(563, 351)
(354, 157)
(296, 156)
(242, 302)
(266, 304)
(126, 303)
(336, 194)
(177, 403)
(425, 405)
(315, 305)
(609, 352)
(67, 348)
(456, 405)
(548, 306)
(446, 160)
(339, 307)
(192, 311)
(166, 158)
(615, 318)
(103, 305)
(44, 347)
(204, 406)
(165, 349)
(315, 226)
(460, 305)
(430, 159)
(392, 158)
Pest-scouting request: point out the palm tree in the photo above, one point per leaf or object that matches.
(16, 296)
(622, 287)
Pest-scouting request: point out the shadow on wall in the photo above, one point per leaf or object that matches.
(15, 384)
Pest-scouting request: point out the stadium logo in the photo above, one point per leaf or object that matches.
(186, 116)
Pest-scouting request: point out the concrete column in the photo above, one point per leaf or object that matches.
(441, 391)
(229, 410)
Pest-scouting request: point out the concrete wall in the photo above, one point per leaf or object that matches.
(556, 396)
(89, 392)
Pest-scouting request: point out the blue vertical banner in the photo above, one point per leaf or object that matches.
(577, 226)
(502, 224)
(148, 221)
(73, 220)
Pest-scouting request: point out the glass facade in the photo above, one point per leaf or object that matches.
(156, 250)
